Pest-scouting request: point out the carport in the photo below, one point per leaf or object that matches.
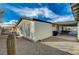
(64, 41)
(66, 30)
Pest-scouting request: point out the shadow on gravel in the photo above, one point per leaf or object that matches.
(26, 47)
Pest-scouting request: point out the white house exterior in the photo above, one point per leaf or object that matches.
(34, 29)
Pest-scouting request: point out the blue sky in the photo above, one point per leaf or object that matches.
(50, 12)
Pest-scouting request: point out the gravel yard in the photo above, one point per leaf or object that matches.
(50, 46)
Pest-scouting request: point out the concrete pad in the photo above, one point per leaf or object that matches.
(67, 45)
(67, 37)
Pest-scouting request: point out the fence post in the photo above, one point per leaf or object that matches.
(11, 46)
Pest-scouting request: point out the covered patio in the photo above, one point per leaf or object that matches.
(66, 30)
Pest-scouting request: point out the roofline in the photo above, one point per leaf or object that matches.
(27, 18)
(71, 24)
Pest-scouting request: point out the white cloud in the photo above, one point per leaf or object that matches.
(10, 22)
(43, 11)
(28, 12)
(48, 13)
(34, 12)
(63, 19)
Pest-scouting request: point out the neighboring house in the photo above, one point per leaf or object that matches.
(6, 29)
(34, 29)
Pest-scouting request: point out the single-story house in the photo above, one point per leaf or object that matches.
(34, 29)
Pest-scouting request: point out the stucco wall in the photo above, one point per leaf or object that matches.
(42, 30)
(38, 30)
(25, 32)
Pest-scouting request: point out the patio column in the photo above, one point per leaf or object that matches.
(78, 30)
(62, 28)
(57, 27)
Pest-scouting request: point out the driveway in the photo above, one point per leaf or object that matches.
(64, 43)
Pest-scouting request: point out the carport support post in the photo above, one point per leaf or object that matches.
(77, 30)
(57, 27)
(62, 28)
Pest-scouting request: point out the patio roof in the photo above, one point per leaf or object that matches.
(72, 23)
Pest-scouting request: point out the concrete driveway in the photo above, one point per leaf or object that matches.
(65, 43)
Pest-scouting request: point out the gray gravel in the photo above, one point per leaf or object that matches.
(26, 47)
(3, 49)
